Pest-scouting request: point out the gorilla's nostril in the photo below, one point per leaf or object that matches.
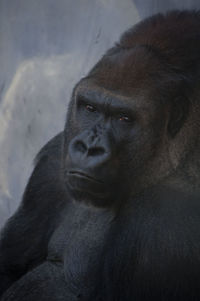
(96, 151)
(80, 146)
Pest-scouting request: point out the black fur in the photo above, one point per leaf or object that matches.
(111, 211)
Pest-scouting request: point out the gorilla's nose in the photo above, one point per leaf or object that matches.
(89, 150)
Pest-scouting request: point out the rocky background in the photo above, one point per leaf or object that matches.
(45, 48)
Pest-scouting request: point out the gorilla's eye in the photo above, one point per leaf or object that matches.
(90, 108)
(125, 118)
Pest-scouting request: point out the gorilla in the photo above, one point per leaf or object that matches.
(112, 209)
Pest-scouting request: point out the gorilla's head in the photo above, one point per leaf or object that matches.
(127, 125)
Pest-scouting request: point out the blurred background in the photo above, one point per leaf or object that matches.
(45, 48)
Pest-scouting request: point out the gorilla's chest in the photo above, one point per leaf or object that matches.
(138, 253)
(79, 243)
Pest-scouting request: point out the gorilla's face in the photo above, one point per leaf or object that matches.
(114, 131)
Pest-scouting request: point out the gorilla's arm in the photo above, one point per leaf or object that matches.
(25, 237)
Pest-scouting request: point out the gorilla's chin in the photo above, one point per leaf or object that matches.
(85, 188)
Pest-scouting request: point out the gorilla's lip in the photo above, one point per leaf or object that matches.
(81, 174)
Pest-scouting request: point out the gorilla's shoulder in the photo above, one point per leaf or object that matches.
(51, 150)
(44, 183)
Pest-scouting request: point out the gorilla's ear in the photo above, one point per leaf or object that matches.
(178, 115)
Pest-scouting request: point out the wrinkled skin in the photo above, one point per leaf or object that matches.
(110, 131)
(115, 132)
(111, 211)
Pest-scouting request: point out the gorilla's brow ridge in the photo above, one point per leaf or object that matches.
(112, 103)
(102, 96)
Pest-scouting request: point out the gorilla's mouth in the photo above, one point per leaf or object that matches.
(82, 185)
(78, 180)
(83, 175)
